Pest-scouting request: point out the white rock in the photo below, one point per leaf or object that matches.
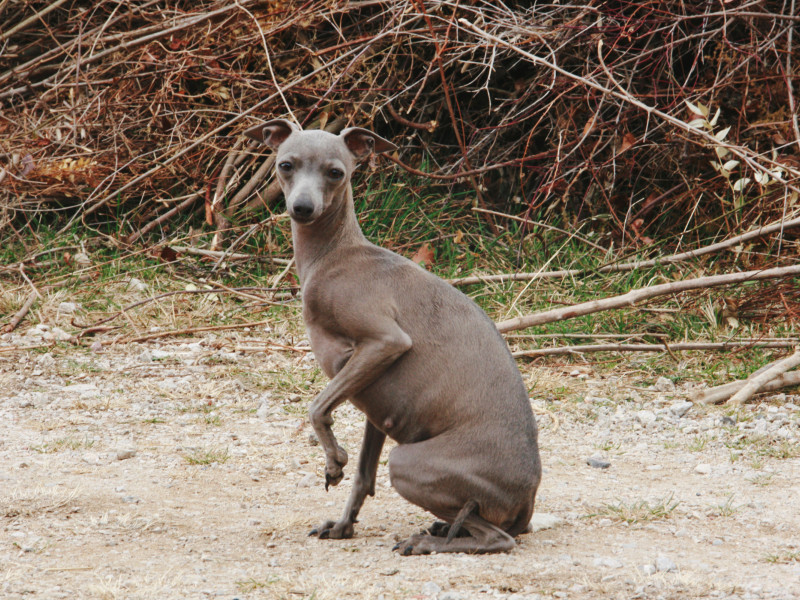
(46, 360)
(91, 458)
(60, 335)
(125, 453)
(665, 564)
(541, 521)
(157, 354)
(307, 481)
(703, 469)
(647, 569)
(137, 284)
(263, 411)
(430, 588)
(81, 388)
(68, 308)
(664, 385)
(646, 417)
(609, 562)
(680, 408)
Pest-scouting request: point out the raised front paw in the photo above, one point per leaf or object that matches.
(334, 530)
(334, 467)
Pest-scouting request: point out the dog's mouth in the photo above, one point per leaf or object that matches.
(302, 219)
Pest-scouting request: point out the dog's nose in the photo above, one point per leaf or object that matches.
(303, 208)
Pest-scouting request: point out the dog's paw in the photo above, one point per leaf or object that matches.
(334, 467)
(333, 478)
(333, 530)
(416, 544)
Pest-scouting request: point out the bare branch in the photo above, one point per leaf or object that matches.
(638, 295)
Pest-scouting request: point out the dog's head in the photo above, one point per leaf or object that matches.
(313, 166)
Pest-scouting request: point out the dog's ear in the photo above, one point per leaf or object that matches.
(272, 133)
(362, 142)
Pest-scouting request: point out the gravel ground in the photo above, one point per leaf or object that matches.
(188, 470)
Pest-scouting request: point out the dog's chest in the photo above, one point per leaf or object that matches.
(332, 348)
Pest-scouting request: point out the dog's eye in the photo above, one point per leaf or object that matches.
(335, 173)
(285, 166)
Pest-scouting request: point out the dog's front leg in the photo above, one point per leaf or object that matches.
(363, 486)
(371, 357)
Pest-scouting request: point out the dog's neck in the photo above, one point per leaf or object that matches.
(335, 229)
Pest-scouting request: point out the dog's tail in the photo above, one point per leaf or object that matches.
(466, 511)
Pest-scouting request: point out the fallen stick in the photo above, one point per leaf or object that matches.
(721, 392)
(20, 314)
(680, 347)
(756, 381)
(167, 215)
(718, 394)
(664, 260)
(221, 289)
(638, 295)
(231, 256)
(176, 332)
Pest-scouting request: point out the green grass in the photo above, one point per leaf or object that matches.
(65, 443)
(784, 557)
(207, 456)
(725, 509)
(402, 213)
(639, 511)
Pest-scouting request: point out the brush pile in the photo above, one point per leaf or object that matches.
(652, 118)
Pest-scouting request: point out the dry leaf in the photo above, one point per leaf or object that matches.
(424, 256)
(627, 141)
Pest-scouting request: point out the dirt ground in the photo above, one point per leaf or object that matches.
(187, 470)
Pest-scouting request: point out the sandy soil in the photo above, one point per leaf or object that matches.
(187, 470)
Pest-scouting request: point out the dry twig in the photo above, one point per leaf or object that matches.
(630, 298)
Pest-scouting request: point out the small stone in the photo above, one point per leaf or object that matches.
(263, 411)
(137, 284)
(665, 564)
(60, 335)
(91, 458)
(703, 469)
(647, 569)
(609, 562)
(295, 398)
(727, 421)
(664, 385)
(125, 453)
(159, 354)
(450, 596)
(429, 588)
(597, 462)
(130, 500)
(307, 481)
(145, 356)
(646, 417)
(96, 346)
(68, 308)
(680, 408)
(46, 360)
(541, 521)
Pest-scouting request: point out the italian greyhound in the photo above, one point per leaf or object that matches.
(421, 360)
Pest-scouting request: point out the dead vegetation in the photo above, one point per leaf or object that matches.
(654, 132)
(630, 113)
